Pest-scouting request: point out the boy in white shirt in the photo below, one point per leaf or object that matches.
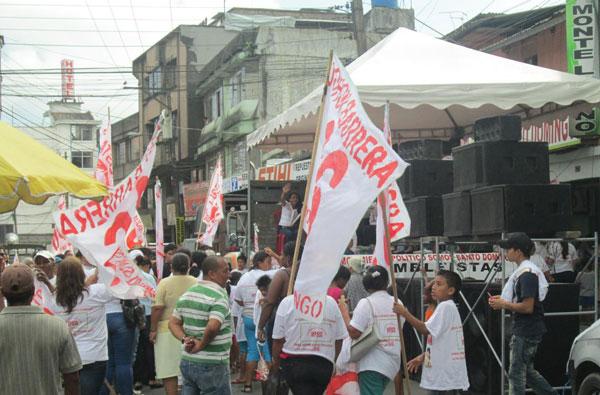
(444, 364)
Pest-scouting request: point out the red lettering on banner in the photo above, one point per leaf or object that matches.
(122, 222)
(66, 226)
(336, 161)
(96, 211)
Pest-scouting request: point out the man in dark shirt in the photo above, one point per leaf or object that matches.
(528, 322)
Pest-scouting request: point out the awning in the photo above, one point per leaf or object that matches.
(432, 84)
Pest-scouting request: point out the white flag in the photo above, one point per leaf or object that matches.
(213, 208)
(158, 229)
(100, 229)
(390, 204)
(104, 166)
(59, 244)
(353, 164)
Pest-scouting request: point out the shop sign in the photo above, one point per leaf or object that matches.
(291, 171)
(194, 196)
(555, 133)
(581, 36)
(235, 183)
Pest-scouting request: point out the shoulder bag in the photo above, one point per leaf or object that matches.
(367, 340)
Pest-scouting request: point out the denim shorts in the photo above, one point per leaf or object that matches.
(209, 379)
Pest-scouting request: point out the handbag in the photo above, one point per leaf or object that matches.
(367, 340)
(134, 314)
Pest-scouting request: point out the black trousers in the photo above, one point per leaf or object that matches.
(307, 375)
(564, 277)
(143, 367)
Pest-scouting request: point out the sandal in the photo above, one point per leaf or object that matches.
(238, 381)
(247, 389)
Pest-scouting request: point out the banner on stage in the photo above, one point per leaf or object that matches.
(102, 230)
(353, 163)
(473, 265)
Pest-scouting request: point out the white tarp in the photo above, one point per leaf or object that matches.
(433, 84)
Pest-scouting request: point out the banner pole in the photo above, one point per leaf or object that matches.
(388, 257)
(294, 268)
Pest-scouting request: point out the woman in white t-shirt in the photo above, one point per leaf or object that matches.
(82, 307)
(245, 294)
(561, 259)
(380, 365)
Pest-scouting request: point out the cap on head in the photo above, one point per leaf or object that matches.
(355, 264)
(44, 254)
(518, 241)
(134, 254)
(17, 279)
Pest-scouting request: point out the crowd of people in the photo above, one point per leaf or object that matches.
(215, 323)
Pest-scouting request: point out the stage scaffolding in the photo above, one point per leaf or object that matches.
(500, 359)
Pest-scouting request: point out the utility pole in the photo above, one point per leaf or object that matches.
(359, 27)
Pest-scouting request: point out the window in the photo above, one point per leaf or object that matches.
(83, 133)
(239, 158)
(171, 74)
(213, 105)
(121, 155)
(155, 82)
(82, 159)
(237, 86)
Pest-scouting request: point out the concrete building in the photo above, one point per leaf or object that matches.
(72, 133)
(539, 37)
(277, 57)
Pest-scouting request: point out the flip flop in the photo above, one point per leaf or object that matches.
(238, 381)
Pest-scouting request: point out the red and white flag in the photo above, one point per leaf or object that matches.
(213, 208)
(104, 166)
(255, 237)
(43, 298)
(353, 164)
(158, 229)
(59, 244)
(100, 230)
(391, 206)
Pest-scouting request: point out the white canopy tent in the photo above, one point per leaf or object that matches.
(432, 84)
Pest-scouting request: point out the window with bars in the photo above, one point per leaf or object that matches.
(82, 159)
(83, 133)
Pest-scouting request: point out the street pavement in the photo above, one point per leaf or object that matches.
(237, 390)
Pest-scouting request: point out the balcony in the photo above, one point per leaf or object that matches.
(236, 122)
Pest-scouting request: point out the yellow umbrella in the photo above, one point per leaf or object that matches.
(32, 172)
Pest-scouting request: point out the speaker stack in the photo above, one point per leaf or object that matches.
(502, 185)
(423, 183)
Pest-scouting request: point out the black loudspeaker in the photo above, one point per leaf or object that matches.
(500, 162)
(457, 214)
(421, 149)
(426, 216)
(483, 369)
(553, 352)
(538, 210)
(506, 127)
(426, 177)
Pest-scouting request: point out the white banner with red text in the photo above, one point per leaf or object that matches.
(104, 166)
(213, 209)
(101, 229)
(159, 230)
(353, 164)
(59, 244)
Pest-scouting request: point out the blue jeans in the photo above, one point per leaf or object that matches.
(250, 331)
(205, 379)
(522, 354)
(91, 377)
(120, 352)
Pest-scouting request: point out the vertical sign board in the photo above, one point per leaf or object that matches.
(67, 78)
(582, 52)
(179, 230)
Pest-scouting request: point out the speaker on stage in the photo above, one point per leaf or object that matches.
(426, 178)
(426, 215)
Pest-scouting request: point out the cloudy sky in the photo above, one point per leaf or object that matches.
(111, 33)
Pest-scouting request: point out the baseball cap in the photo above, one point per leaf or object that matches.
(134, 254)
(16, 279)
(45, 254)
(518, 241)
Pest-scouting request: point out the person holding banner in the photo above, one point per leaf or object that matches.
(82, 307)
(380, 365)
(306, 351)
(167, 349)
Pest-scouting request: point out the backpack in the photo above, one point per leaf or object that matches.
(134, 313)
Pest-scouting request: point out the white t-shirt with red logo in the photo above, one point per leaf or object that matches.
(303, 337)
(444, 366)
(385, 357)
(87, 323)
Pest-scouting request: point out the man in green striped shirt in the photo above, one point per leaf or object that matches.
(202, 321)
